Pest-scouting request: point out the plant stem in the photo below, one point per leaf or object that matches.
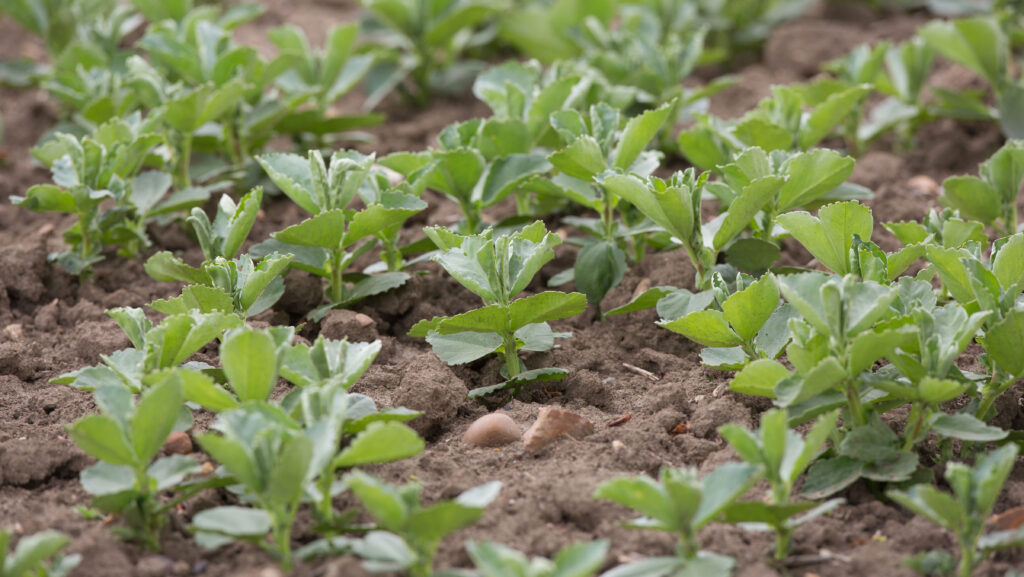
(854, 404)
(782, 539)
(337, 278)
(966, 566)
(917, 418)
(990, 393)
(283, 537)
(184, 160)
(512, 363)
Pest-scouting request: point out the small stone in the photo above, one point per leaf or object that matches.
(154, 566)
(493, 430)
(363, 320)
(618, 445)
(551, 425)
(181, 568)
(14, 332)
(178, 443)
(923, 184)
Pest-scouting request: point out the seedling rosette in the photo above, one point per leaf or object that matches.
(326, 244)
(497, 268)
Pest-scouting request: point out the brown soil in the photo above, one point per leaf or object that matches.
(545, 503)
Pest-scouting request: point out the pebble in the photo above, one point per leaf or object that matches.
(923, 185)
(178, 443)
(493, 430)
(551, 425)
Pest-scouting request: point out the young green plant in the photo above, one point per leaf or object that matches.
(782, 456)
(125, 438)
(325, 244)
(680, 503)
(408, 533)
(29, 558)
(497, 268)
(965, 511)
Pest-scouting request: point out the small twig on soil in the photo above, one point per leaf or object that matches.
(642, 372)
(823, 556)
(621, 420)
(719, 390)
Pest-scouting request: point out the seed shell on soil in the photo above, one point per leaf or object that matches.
(493, 430)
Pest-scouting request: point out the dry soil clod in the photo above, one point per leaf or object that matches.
(551, 425)
(493, 430)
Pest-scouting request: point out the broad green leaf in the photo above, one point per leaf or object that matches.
(235, 458)
(966, 428)
(249, 359)
(461, 348)
(380, 443)
(1008, 265)
(977, 43)
(829, 476)
(829, 235)
(759, 378)
(638, 133)
(198, 388)
(46, 198)
(31, 552)
(165, 267)
(751, 200)
(199, 298)
(155, 416)
(707, 327)
(812, 175)
(324, 230)
(290, 471)
(101, 437)
(582, 159)
(929, 502)
(973, 197)
(1004, 342)
(829, 114)
(489, 319)
(723, 486)
(641, 494)
(546, 306)
(799, 388)
(599, 268)
(290, 172)
(645, 300)
(747, 310)
(234, 521)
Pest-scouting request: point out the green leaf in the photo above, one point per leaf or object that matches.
(290, 471)
(642, 494)
(723, 486)
(973, 197)
(376, 284)
(812, 175)
(46, 198)
(638, 133)
(202, 390)
(489, 319)
(101, 437)
(829, 476)
(580, 559)
(249, 359)
(799, 388)
(380, 443)
(31, 552)
(1004, 342)
(977, 43)
(748, 309)
(199, 298)
(546, 306)
(759, 378)
(830, 113)
(966, 428)
(582, 159)
(290, 172)
(1008, 264)
(461, 348)
(751, 200)
(233, 457)
(155, 416)
(324, 230)
(707, 327)
(382, 501)
(829, 235)
(645, 300)
(234, 521)
(929, 502)
(599, 268)
(165, 267)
